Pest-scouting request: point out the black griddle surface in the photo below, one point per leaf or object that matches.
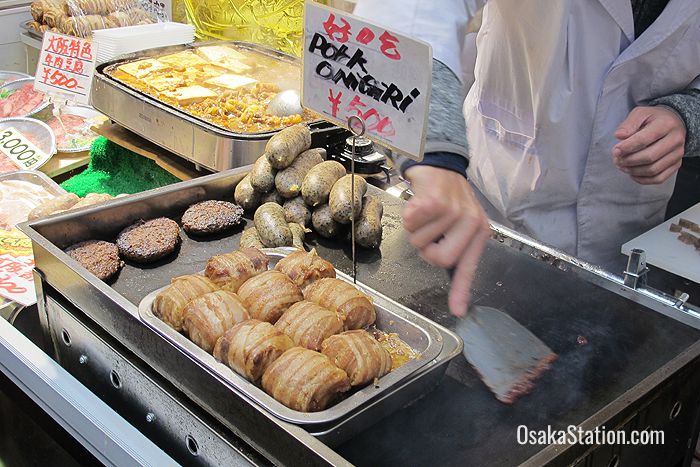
(461, 422)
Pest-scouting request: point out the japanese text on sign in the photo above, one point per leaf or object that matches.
(21, 150)
(66, 66)
(16, 264)
(354, 68)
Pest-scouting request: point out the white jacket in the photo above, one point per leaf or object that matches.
(553, 81)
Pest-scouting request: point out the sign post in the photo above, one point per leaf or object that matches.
(354, 68)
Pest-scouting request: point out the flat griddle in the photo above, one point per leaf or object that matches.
(614, 344)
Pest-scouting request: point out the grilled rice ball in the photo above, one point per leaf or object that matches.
(148, 241)
(99, 257)
(211, 216)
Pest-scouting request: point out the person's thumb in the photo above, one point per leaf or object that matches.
(634, 121)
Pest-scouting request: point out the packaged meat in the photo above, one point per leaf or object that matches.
(19, 99)
(72, 128)
(36, 132)
(20, 192)
(10, 76)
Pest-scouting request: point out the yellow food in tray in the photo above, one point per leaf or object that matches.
(183, 60)
(225, 85)
(191, 94)
(164, 83)
(214, 53)
(230, 81)
(143, 68)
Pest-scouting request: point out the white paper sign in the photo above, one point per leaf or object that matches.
(356, 68)
(66, 66)
(16, 265)
(23, 152)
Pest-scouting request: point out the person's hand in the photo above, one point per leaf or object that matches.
(448, 226)
(652, 144)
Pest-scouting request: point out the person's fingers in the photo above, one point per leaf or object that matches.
(666, 161)
(639, 140)
(460, 289)
(634, 121)
(660, 178)
(431, 232)
(649, 154)
(418, 212)
(447, 251)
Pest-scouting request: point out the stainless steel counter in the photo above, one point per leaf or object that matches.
(627, 358)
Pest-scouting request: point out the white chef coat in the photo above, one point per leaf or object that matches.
(553, 81)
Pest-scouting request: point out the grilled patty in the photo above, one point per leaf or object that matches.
(211, 217)
(144, 242)
(99, 257)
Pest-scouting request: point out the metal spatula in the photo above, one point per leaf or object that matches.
(506, 355)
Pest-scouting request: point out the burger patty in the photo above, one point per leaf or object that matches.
(99, 257)
(148, 241)
(211, 217)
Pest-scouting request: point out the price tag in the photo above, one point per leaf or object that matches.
(23, 152)
(16, 264)
(66, 66)
(356, 68)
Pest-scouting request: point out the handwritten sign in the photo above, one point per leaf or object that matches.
(16, 265)
(66, 66)
(21, 150)
(356, 68)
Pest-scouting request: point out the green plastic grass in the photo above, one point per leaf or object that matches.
(115, 170)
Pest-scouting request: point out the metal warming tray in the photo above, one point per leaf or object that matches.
(194, 139)
(415, 330)
(114, 308)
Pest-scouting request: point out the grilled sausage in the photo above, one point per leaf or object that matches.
(169, 304)
(208, 317)
(262, 175)
(296, 210)
(60, 203)
(286, 145)
(272, 226)
(303, 267)
(90, 199)
(359, 355)
(250, 239)
(309, 324)
(319, 181)
(272, 197)
(288, 181)
(268, 295)
(304, 380)
(230, 270)
(323, 222)
(368, 228)
(341, 200)
(250, 347)
(354, 307)
(245, 195)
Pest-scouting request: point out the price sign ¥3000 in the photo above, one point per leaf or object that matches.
(21, 150)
